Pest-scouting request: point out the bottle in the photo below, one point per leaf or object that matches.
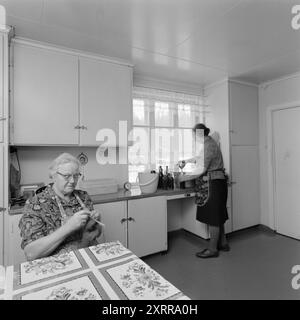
(172, 181)
(160, 177)
(165, 180)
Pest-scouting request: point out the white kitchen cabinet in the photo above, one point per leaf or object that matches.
(243, 108)
(234, 117)
(114, 216)
(147, 225)
(245, 190)
(4, 136)
(13, 253)
(105, 98)
(2, 204)
(45, 96)
(61, 97)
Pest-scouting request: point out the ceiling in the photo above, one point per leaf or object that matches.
(195, 42)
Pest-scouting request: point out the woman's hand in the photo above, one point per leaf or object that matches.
(78, 220)
(181, 164)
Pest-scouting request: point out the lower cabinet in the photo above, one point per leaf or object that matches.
(147, 225)
(13, 253)
(114, 216)
(140, 224)
(245, 190)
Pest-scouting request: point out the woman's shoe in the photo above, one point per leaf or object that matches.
(224, 248)
(206, 253)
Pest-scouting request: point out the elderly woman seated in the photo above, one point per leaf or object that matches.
(59, 217)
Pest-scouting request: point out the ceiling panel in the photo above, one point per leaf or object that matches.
(167, 68)
(246, 36)
(276, 68)
(112, 47)
(181, 40)
(28, 9)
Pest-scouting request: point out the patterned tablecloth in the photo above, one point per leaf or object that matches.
(103, 272)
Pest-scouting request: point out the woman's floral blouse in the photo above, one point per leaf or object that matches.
(42, 217)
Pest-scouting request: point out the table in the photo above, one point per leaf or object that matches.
(108, 271)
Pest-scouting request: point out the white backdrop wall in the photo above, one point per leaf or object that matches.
(278, 92)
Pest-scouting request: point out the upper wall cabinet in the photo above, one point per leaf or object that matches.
(105, 98)
(45, 97)
(64, 98)
(243, 101)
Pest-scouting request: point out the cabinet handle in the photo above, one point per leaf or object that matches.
(131, 219)
(2, 119)
(123, 220)
(187, 194)
(232, 131)
(83, 127)
(77, 127)
(2, 209)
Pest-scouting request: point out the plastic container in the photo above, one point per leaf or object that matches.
(148, 181)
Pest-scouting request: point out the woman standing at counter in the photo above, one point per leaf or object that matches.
(214, 211)
(58, 217)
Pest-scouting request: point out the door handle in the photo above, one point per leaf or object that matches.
(131, 219)
(123, 220)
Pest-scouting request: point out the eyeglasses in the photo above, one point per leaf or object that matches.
(69, 176)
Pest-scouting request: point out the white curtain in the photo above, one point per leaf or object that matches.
(162, 128)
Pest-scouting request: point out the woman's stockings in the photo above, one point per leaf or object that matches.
(214, 238)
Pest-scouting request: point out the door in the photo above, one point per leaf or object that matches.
(2, 204)
(286, 157)
(45, 96)
(113, 215)
(245, 188)
(243, 114)
(105, 98)
(147, 225)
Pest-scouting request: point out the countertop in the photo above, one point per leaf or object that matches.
(121, 195)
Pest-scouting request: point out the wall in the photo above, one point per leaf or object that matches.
(34, 162)
(281, 91)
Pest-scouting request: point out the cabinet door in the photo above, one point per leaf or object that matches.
(114, 217)
(147, 225)
(13, 253)
(243, 114)
(105, 98)
(2, 204)
(45, 96)
(245, 190)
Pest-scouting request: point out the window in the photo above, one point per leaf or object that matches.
(162, 129)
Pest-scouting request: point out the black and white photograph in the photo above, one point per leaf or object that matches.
(149, 151)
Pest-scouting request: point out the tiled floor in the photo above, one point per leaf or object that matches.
(257, 267)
